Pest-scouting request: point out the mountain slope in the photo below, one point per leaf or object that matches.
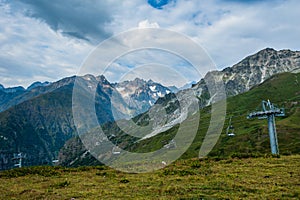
(38, 127)
(251, 136)
(6, 94)
(42, 121)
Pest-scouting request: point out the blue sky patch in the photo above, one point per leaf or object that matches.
(158, 4)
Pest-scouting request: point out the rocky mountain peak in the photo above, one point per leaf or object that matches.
(256, 68)
(38, 84)
(101, 79)
(150, 81)
(138, 82)
(267, 50)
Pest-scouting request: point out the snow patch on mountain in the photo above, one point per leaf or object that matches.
(153, 88)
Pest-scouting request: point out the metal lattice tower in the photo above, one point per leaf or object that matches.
(18, 157)
(269, 112)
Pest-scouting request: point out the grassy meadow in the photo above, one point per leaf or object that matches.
(231, 178)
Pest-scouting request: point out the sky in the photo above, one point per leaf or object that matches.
(48, 40)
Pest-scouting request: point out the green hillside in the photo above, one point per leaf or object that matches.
(251, 136)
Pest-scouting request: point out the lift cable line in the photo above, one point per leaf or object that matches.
(234, 115)
(204, 125)
(269, 112)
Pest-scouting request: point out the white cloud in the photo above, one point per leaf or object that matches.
(147, 24)
(248, 29)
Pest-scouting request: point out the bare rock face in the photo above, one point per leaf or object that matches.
(140, 95)
(256, 68)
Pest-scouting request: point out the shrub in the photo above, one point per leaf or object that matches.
(124, 180)
(61, 184)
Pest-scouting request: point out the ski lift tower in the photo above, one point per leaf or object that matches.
(18, 157)
(269, 112)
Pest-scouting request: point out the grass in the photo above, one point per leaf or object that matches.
(230, 178)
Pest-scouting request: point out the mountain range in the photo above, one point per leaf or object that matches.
(38, 120)
(240, 78)
(248, 137)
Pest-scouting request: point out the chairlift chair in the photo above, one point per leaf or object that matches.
(116, 151)
(230, 129)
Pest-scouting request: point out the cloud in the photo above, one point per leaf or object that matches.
(31, 51)
(247, 29)
(147, 24)
(76, 18)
